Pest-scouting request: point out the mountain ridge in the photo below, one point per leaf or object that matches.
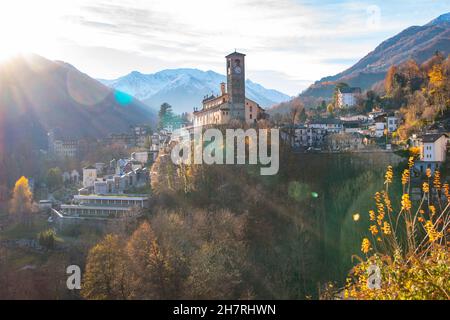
(184, 88)
(415, 42)
(45, 94)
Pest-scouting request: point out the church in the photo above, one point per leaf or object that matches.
(231, 103)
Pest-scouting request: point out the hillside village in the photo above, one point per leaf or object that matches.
(109, 190)
(113, 192)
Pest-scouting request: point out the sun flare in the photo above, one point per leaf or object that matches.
(28, 26)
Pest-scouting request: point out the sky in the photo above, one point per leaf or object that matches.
(289, 43)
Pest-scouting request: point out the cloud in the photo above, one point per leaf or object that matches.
(285, 40)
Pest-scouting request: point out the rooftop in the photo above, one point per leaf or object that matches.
(326, 121)
(350, 90)
(432, 137)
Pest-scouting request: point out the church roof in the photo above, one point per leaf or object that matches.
(235, 54)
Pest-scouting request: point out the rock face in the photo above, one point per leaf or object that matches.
(417, 42)
(184, 89)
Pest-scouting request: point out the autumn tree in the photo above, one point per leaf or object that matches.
(296, 114)
(106, 276)
(330, 108)
(151, 273)
(218, 266)
(296, 111)
(437, 86)
(21, 205)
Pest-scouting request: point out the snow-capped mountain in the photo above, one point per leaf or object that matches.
(184, 89)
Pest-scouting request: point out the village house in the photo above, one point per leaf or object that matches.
(353, 126)
(357, 117)
(347, 97)
(136, 137)
(142, 157)
(433, 151)
(60, 146)
(330, 125)
(379, 128)
(121, 175)
(393, 121)
(303, 137)
(376, 113)
(345, 141)
(89, 176)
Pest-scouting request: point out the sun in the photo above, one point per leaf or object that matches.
(27, 26)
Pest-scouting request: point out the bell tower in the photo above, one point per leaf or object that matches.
(236, 84)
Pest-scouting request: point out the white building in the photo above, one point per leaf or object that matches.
(89, 176)
(303, 136)
(433, 147)
(330, 125)
(380, 126)
(392, 121)
(104, 206)
(60, 146)
(142, 157)
(347, 97)
(345, 141)
(433, 151)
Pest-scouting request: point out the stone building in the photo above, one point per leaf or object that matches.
(60, 146)
(231, 103)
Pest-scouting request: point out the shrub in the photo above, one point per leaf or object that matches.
(47, 239)
(407, 253)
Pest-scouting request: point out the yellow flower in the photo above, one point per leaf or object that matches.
(428, 172)
(389, 175)
(380, 218)
(406, 203)
(387, 201)
(411, 162)
(426, 187)
(437, 180)
(433, 235)
(373, 230)
(405, 177)
(432, 210)
(356, 217)
(372, 215)
(386, 228)
(365, 246)
(377, 197)
(446, 189)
